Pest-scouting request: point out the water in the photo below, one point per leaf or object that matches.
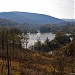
(40, 36)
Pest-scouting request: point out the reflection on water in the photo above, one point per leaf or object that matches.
(41, 37)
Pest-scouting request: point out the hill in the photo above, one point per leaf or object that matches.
(34, 62)
(26, 62)
(69, 20)
(31, 18)
(6, 22)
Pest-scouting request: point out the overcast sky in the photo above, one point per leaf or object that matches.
(55, 8)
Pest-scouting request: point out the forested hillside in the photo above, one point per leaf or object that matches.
(31, 18)
(56, 57)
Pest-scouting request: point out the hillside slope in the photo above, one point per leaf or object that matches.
(6, 22)
(31, 18)
(26, 62)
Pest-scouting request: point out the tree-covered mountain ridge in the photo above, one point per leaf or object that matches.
(31, 18)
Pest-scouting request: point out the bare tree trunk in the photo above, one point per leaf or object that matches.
(13, 39)
(54, 71)
(2, 37)
(26, 45)
(13, 42)
(8, 63)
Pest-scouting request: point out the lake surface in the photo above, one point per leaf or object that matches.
(41, 36)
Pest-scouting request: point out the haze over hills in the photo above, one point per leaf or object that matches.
(69, 20)
(6, 22)
(30, 18)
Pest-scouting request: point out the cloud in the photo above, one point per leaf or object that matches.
(56, 8)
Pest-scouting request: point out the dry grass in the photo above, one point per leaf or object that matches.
(26, 62)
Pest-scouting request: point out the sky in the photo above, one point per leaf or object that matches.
(55, 8)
